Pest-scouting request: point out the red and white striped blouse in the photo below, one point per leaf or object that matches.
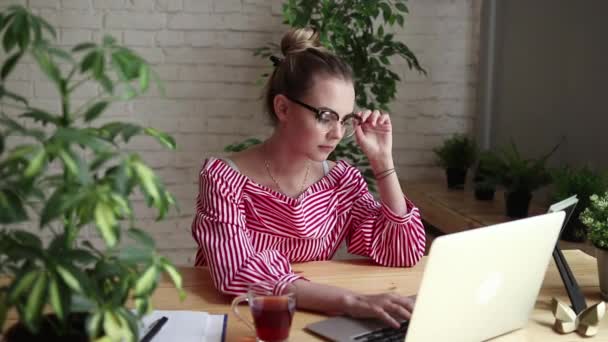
(247, 232)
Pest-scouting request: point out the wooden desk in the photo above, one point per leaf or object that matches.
(452, 211)
(363, 276)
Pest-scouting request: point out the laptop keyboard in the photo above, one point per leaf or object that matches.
(385, 334)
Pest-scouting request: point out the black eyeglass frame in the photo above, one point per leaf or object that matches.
(319, 113)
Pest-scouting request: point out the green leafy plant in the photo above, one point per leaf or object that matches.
(595, 217)
(358, 32)
(484, 178)
(516, 173)
(62, 172)
(583, 182)
(456, 152)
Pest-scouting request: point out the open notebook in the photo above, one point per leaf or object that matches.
(187, 326)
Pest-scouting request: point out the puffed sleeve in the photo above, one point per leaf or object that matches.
(224, 245)
(377, 232)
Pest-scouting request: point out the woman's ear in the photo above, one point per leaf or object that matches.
(281, 106)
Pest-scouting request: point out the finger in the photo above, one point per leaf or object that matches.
(365, 114)
(398, 311)
(384, 119)
(405, 302)
(380, 313)
(375, 117)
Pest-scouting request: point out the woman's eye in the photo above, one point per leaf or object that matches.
(326, 117)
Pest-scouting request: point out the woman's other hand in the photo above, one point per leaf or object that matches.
(388, 307)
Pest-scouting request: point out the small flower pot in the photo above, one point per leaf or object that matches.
(602, 271)
(77, 331)
(456, 177)
(517, 203)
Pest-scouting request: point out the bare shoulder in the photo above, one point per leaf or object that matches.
(247, 161)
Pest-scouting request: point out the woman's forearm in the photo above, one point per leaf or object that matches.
(319, 297)
(388, 186)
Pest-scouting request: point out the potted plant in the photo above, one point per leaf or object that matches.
(520, 177)
(63, 171)
(484, 180)
(456, 155)
(582, 182)
(595, 217)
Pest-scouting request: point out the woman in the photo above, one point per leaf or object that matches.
(282, 201)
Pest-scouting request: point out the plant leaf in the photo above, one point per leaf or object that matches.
(35, 301)
(83, 46)
(9, 64)
(144, 77)
(10, 39)
(402, 7)
(36, 163)
(142, 237)
(82, 137)
(95, 111)
(147, 180)
(106, 222)
(11, 207)
(27, 239)
(164, 138)
(47, 26)
(70, 278)
(88, 61)
(42, 116)
(48, 66)
(174, 275)
(21, 285)
(93, 324)
(58, 300)
(146, 283)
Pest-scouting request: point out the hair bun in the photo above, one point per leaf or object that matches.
(300, 39)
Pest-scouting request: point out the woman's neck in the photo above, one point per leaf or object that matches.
(283, 161)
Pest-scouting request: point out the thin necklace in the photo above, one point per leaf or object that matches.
(267, 164)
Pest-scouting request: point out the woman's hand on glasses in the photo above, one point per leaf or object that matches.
(374, 136)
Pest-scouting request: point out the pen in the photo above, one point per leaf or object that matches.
(154, 329)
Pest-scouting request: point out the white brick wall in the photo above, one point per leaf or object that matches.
(202, 49)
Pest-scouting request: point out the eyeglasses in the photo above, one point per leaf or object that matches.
(327, 119)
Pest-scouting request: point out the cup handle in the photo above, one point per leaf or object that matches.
(235, 303)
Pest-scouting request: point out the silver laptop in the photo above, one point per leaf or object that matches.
(477, 284)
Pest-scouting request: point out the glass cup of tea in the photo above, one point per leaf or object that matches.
(272, 314)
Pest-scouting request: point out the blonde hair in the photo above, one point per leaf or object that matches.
(304, 59)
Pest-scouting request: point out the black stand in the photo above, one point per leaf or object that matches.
(574, 292)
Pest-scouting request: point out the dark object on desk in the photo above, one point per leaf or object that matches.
(574, 292)
(76, 332)
(154, 329)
